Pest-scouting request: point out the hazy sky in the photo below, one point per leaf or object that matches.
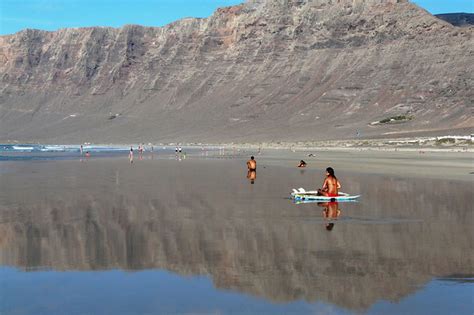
(16, 15)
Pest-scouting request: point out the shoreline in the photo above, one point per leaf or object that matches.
(442, 165)
(465, 146)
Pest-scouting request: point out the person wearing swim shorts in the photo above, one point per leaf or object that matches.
(331, 184)
(252, 164)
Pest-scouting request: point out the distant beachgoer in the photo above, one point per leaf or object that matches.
(88, 155)
(302, 164)
(130, 155)
(176, 149)
(331, 184)
(180, 149)
(82, 150)
(252, 164)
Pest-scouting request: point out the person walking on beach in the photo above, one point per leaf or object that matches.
(331, 184)
(252, 164)
(141, 148)
(130, 155)
(82, 150)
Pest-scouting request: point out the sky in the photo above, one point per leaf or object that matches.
(16, 15)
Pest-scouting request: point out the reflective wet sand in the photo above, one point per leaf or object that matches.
(203, 219)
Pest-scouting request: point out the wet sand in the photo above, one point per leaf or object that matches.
(199, 226)
(414, 164)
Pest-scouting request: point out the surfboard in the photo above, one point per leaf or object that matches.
(301, 194)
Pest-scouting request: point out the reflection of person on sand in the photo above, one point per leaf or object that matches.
(252, 164)
(302, 164)
(331, 185)
(252, 175)
(331, 212)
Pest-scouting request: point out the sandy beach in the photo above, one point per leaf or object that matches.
(102, 228)
(420, 163)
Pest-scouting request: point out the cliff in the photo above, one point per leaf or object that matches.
(262, 70)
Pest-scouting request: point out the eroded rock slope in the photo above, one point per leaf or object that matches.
(259, 71)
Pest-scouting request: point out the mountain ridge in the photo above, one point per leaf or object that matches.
(261, 70)
(461, 19)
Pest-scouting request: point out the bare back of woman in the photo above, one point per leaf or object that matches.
(331, 185)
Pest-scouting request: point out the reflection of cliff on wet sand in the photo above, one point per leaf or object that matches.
(202, 218)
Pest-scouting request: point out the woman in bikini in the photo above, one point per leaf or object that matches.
(331, 185)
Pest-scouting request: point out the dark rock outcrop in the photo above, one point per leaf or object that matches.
(457, 19)
(263, 70)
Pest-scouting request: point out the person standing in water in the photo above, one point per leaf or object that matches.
(130, 155)
(82, 150)
(252, 164)
(331, 184)
(252, 169)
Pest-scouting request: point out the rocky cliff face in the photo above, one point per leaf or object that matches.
(262, 70)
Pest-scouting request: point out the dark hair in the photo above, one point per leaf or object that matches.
(329, 226)
(330, 170)
(252, 157)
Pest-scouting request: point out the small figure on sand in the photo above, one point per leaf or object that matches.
(88, 155)
(140, 151)
(82, 150)
(302, 164)
(252, 164)
(130, 155)
(252, 169)
(331, 184)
